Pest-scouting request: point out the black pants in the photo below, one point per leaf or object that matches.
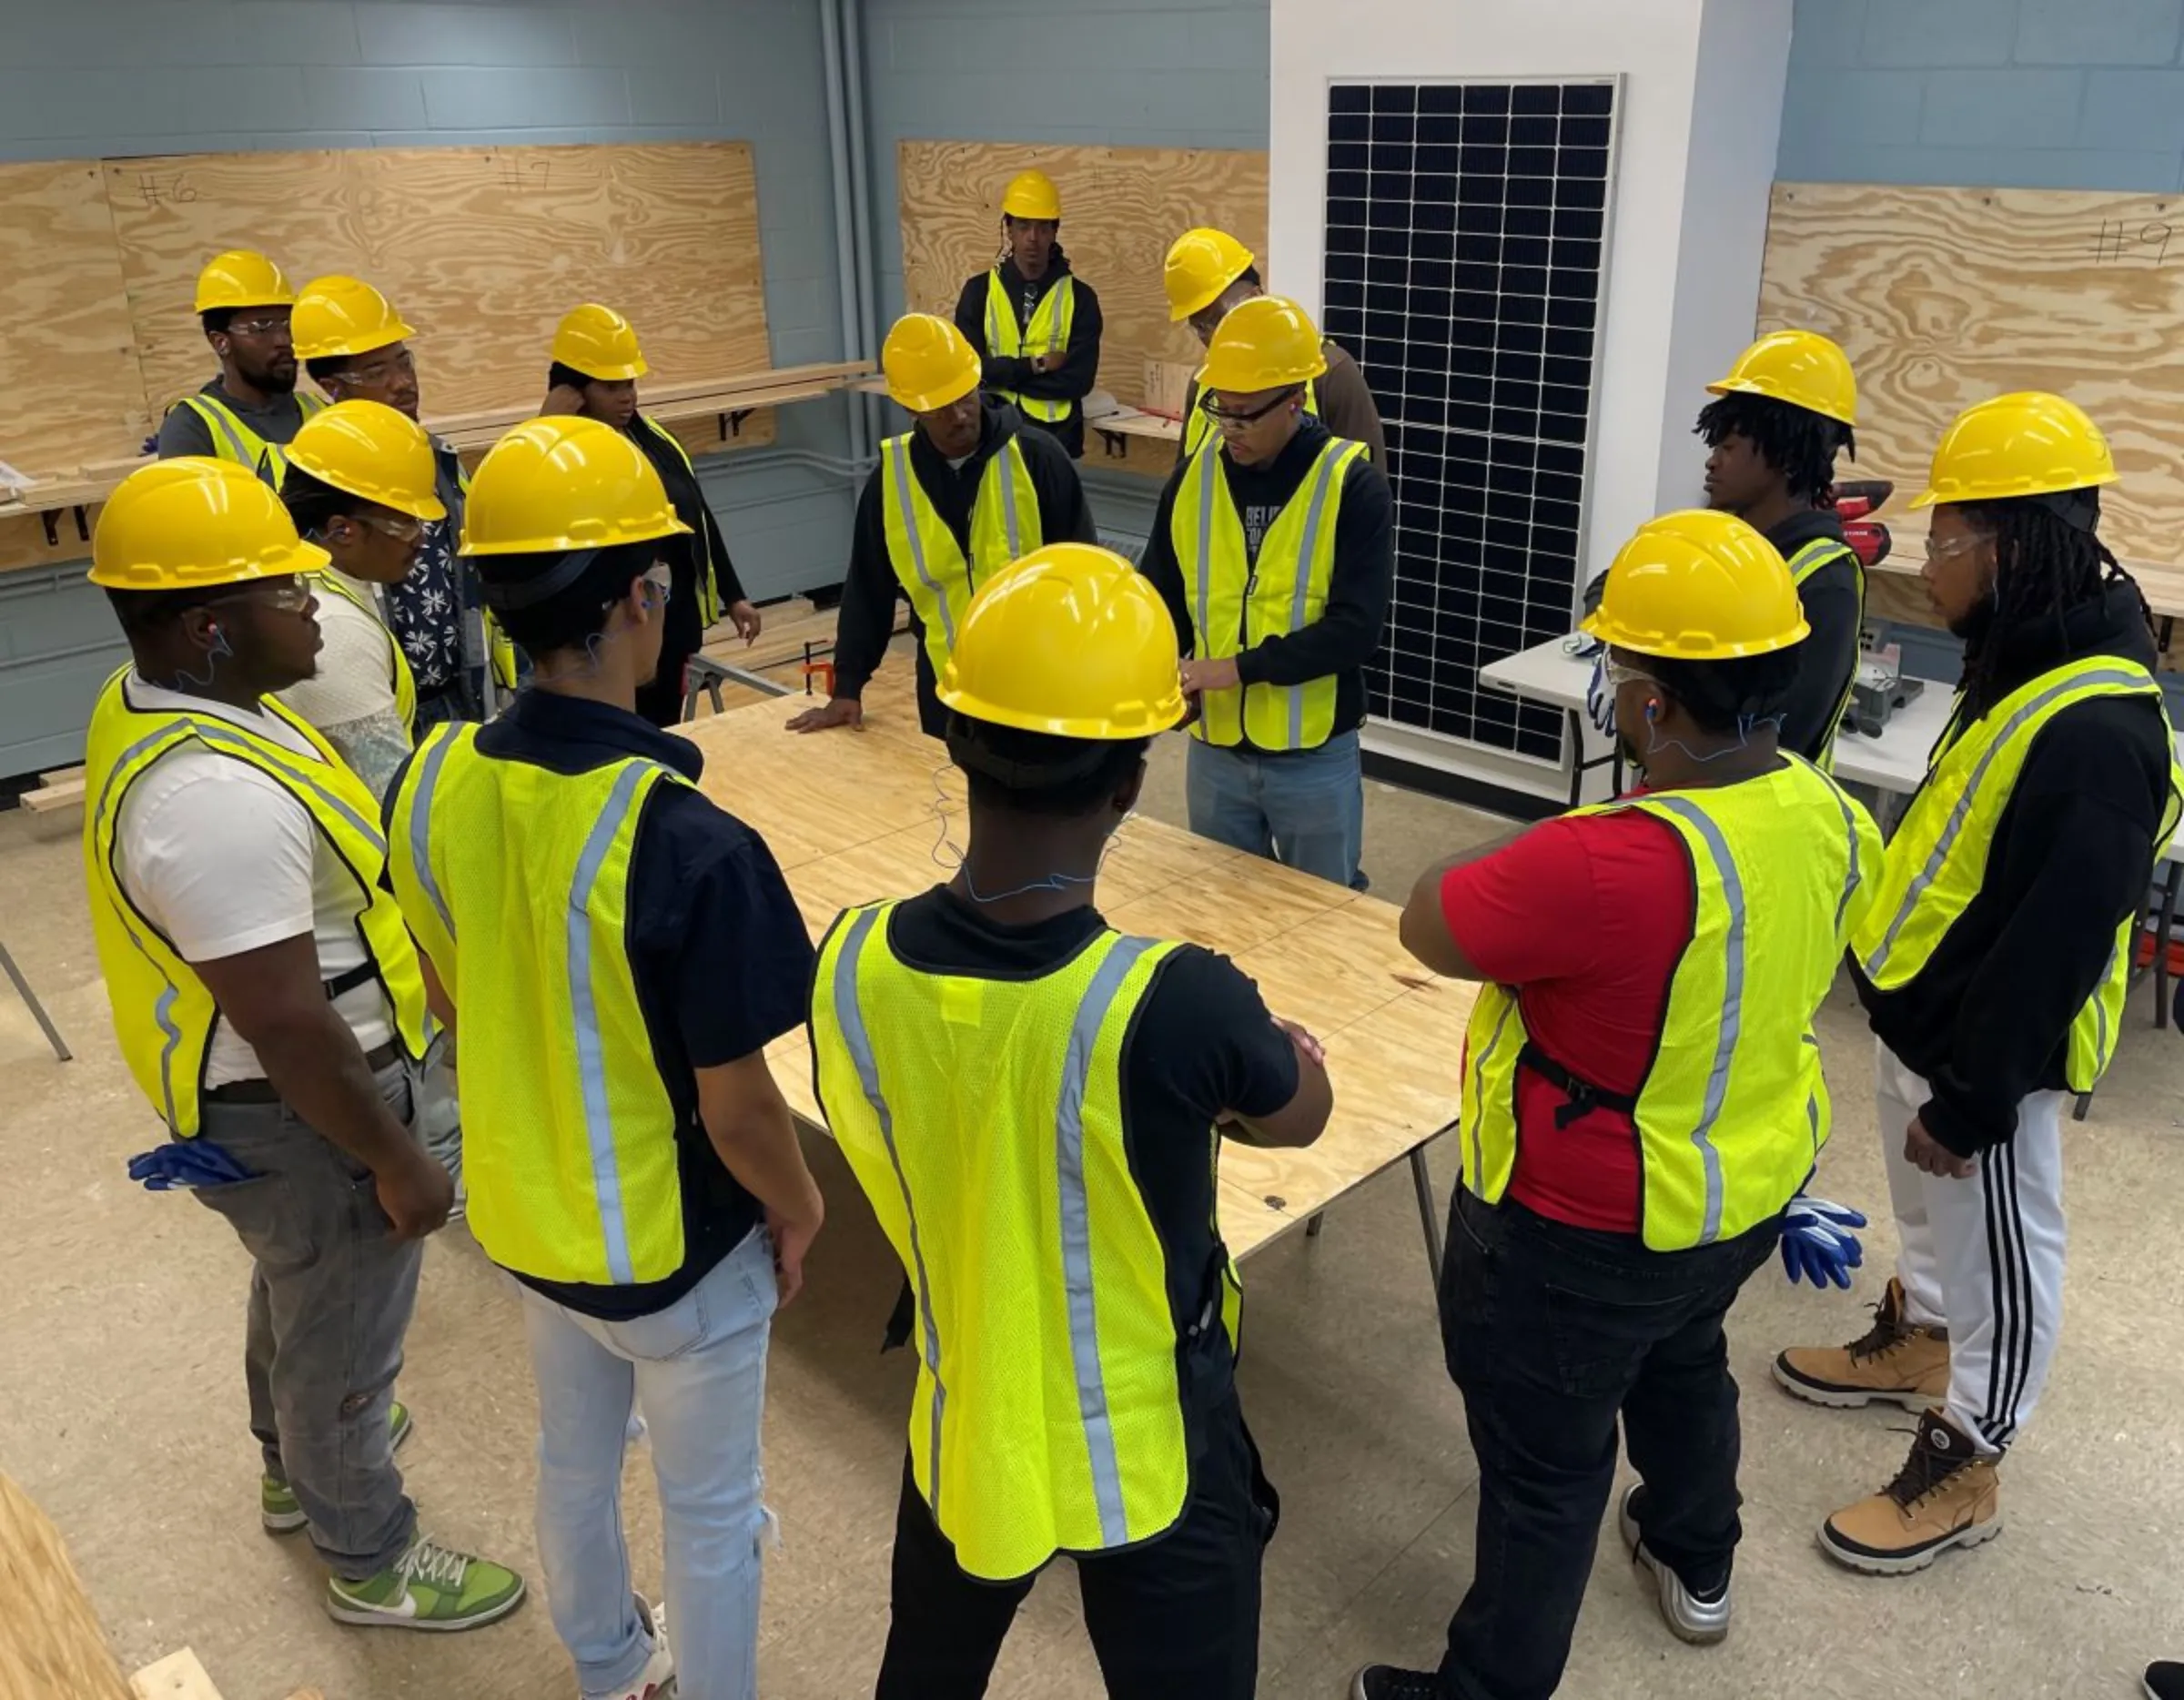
(1552, 1332)
(1175, 1619)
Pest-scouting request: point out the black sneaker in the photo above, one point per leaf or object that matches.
(2165, 1678)
(1384, 1682)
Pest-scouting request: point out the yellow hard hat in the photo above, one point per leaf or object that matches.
(1699, 585)
(371, 451)
(193, 522)
(342, 315)
(1071, 641)
(1201, 265)
(1031, 194)
(1802, 367)
(2027, 443)
(242, 278)
(1263, 344)
(564, 482)
(599, 343)
(927, 362)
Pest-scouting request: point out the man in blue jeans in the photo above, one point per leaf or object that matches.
(619, 951)
(1274, 548)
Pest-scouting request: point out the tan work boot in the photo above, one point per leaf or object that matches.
(1946, 1494)
(1905, 1363)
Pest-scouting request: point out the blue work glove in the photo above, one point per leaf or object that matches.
(1817, 1242)
(184, 1164)
(1600, 702)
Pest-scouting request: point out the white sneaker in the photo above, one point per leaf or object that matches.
(656, 1681)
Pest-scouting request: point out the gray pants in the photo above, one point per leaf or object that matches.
(331, 1293)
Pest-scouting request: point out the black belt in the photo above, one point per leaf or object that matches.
(260, 1091)
(1583, 1095)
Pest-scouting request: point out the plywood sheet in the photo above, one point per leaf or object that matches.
(50, 1640)
(1121, 209)
(482, 248)
(1942, 297)
(67, 359)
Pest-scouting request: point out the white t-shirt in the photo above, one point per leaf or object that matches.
(351, 699)
(223, 859)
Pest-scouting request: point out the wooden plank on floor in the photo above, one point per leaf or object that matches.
(60, 776)
(177, 1677)
(51, 1645)
(48, 799)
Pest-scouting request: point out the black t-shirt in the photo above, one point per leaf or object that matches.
(1200, 1044)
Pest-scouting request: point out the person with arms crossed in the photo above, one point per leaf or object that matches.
(596, 365)
(1034, 324)
(1210, 272)
(954, 499)
(1274, 547)
(1994, 960)
(1642, 1102)
(268, 1000)
(253, 408)
(630, 1160)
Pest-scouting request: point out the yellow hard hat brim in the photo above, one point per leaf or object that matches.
(362, 342)
(928, 400)
(1745, 387)
(1180, 311)
(609, 374)
(1936, 495)
(303, 558)
(1691, 645)
(1127, 719)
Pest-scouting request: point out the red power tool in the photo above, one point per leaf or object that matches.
(1855, 501)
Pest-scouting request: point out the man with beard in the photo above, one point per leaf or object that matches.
(252, 408)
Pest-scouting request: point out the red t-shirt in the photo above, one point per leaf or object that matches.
(1586, 916)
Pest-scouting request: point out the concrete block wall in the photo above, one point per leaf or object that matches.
(2029, 94)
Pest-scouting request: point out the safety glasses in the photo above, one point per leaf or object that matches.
(1949, 550)
(381, 371)
(403, 528)
(258, 327)
(1211, 403)
(1618, 675)
(660, 579)
(287, 596)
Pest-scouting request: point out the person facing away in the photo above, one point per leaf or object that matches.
(1274, 547)
(356, 347)
(630, 1160)
(252, 408)
(1034, 323)
(955, 499)
(1209, 273)
(269, 1005)
(1643, 1101)
(1783, 413)
(1994, 962)
(596, 365)
(946, 1029)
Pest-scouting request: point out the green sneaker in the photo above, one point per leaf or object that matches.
(430, 1586)
(278, 1508)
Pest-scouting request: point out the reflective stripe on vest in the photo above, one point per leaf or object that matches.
(1237, 603)
(1820, 552)
(1052, 320)
(404, 682)
(163, 1012)
(928, 560)
(1048, 1415)
(701, 542)
(569, 1131)
(1198, 424)
(1937, 858)
(1734, 1110)
(233, 441)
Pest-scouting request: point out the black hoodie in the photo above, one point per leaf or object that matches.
(1826, 658)
(1988, 1019)
(1071, 381)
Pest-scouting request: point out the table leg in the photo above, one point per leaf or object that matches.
(53, 1034)
(2168, 917)
(1429, 1216)
(1318, 1221)
(2085, 1103)
(1577, 757)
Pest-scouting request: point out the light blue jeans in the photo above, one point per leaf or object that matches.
(700, 1369)
(1305, 810)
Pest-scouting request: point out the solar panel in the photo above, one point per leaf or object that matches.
(1466, 233)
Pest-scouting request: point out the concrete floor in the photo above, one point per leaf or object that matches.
(123, 1413)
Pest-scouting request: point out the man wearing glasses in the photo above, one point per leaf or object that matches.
(269, 1004)
(355, 346)
(252, 408)
(1274, 548)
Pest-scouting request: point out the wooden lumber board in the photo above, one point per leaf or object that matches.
(51, 1644)
(67, 358)
(177, 1677)
(1121, 209)
(483, 249)
(1942, 297)
(49, 799)
(852, 817)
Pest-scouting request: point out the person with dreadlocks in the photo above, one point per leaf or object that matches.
(1993, 961)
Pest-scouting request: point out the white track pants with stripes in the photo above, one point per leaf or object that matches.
(1983, 1256)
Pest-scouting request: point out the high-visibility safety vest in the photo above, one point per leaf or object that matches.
(1937, 858)
(938, 581)
(1732, 1113)
(1237, 603)
(700, 553)
(1198, 424)
(162, 1013)
(1820, 552)
(233, 441)
(1048, 1415)
(329, 583)
(568, 1130)
(1048, 333)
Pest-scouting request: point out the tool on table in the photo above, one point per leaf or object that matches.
(1879, 689)
(1855, 502)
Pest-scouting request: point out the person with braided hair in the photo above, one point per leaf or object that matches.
(1779, 418)
(1993, 960)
